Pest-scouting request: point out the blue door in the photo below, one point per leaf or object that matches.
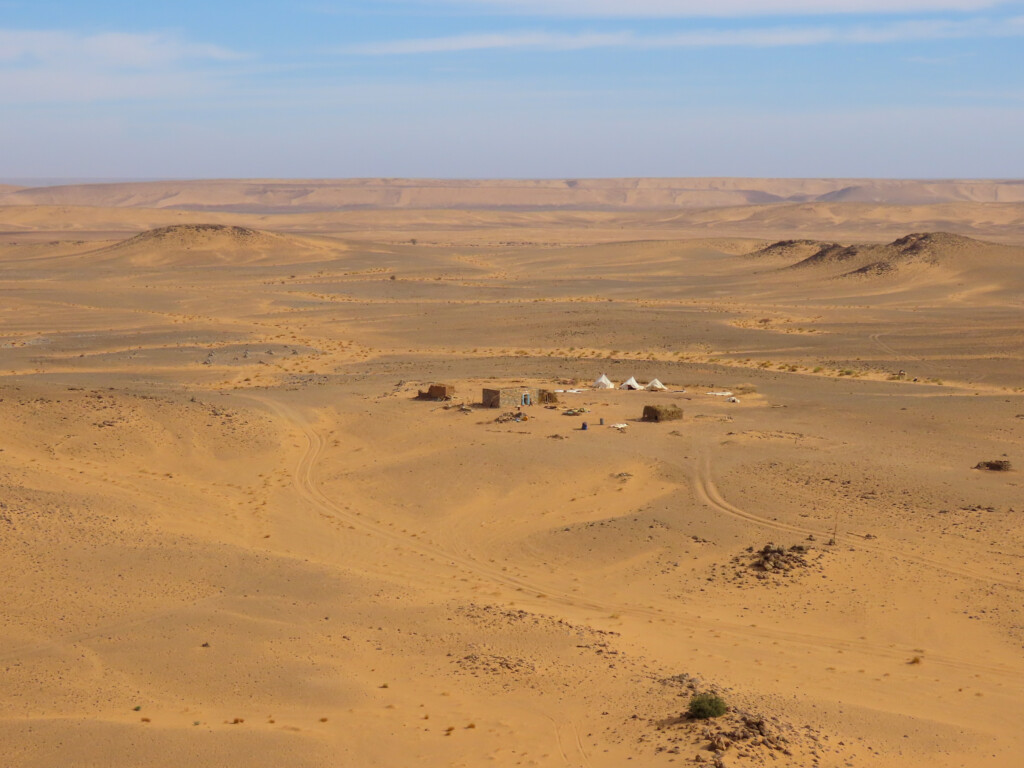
(526, 398)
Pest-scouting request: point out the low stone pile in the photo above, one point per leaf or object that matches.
(745, 734)
(743, 737)
(999, 465)
(772, 561)
(772, 558)
(515, 416)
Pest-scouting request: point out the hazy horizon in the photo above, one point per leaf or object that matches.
(72, 181)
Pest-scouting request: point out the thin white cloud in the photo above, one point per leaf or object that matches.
(40, 66)
(112, 49)
(497, 40)
(907, 31)
(717, 9)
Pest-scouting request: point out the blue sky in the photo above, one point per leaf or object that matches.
(511, 88)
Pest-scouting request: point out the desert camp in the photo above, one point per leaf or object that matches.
(276, 489)
(512, 384)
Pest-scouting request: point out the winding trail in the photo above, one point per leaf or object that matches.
(306, 486)
(707, 492)
(571, 736)
(900, 356)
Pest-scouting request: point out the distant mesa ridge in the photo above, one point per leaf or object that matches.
(318, 195)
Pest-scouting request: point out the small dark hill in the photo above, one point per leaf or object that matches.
(198, 236)
(789, 250)
(203, 245)
(921, 248)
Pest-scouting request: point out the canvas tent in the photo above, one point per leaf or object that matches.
(603, 382)
(630, 383)
(655, 386)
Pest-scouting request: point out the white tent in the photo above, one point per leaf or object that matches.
(655, 386)
(631, 383)
(603, 382)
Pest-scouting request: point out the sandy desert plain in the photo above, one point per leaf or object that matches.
(230, 535)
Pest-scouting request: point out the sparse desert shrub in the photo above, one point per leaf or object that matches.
(705, 705)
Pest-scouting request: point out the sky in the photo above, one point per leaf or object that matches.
(511, 88)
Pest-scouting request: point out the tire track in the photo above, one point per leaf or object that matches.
(305, 484)
(900, 356)
(573, 738)
(708, 493)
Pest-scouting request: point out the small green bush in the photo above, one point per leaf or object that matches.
(705, 705)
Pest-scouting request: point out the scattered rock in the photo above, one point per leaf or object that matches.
(494, 664)
(999, 465)
(770, 562)
(508, 416)
(772, 558)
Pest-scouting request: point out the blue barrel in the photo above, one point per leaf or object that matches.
(584, 427)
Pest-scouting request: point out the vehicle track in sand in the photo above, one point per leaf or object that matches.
(708, 493)
(902, 356)
(304, 480)
(572, 738)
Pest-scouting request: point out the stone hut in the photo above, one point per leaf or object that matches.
(510, 397)
(662, 413)
(437, 392)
